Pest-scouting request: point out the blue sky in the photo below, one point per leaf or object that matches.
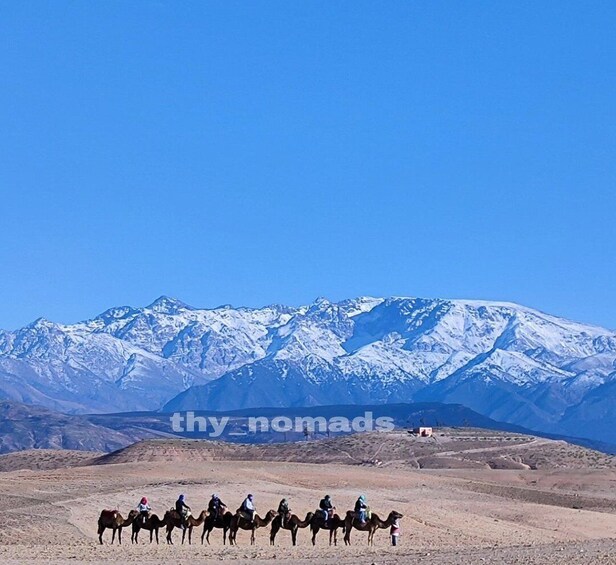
(258, 152)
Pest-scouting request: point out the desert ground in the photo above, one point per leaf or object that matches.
(564, 514)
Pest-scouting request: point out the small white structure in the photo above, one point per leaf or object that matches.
(423, 432)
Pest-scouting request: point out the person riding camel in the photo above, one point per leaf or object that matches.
(144, 509)
(327, 508)
(182, 509)
(248, 507)
(216, 507)
(361, 508)
(284, 511)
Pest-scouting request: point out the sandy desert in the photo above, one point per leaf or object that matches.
(562, 512)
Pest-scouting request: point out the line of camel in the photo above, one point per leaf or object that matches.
(231, 523)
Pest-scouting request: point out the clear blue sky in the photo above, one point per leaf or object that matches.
(257, 152)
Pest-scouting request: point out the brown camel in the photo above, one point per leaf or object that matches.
(173, 520)
(318, 523)
(371, 525)
(293, 523)
(223, 521)
(240, 522)
(113, 520)
(153, 524)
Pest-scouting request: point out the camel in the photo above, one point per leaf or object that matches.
(223, 521)
(371, 525)
(153, 524)
(318, 523)
(239, 521)
(172, 520)
(113, 520)
(293, 523)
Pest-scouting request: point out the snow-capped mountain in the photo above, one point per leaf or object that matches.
(505, 361)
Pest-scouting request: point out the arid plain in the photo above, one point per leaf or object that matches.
(466, 498)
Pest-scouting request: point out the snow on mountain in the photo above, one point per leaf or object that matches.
(503, 360)
(209, 342)
(73, 369)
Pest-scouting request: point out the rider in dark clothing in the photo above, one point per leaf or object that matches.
(215, 507)
(360, 508)
(326, 506)
(284, 511)
(182, 509)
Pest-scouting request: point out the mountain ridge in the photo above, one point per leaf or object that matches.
(501, 359)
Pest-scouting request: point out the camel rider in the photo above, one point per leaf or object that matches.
(182, 509)
(361, 508)
(144, 509)
(284, 511)
(248, 506)
(327, 507)
(215, 507)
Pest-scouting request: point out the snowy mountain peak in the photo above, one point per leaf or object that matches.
(41, 323)
(167, 305)
(503, 360)
(116, 313)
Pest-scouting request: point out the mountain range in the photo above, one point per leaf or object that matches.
(25, 426)
(505, 361)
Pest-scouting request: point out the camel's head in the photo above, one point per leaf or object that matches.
(133, 514)
(393, 515)
(271, 514)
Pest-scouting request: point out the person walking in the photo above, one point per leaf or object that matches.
(394, 531)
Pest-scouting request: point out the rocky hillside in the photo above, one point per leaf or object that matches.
(460, 448)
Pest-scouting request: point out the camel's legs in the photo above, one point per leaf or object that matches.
(273, 533)
(347, 536)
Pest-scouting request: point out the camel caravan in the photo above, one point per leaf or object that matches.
(246, 518)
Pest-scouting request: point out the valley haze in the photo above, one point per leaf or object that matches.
(504, 361)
